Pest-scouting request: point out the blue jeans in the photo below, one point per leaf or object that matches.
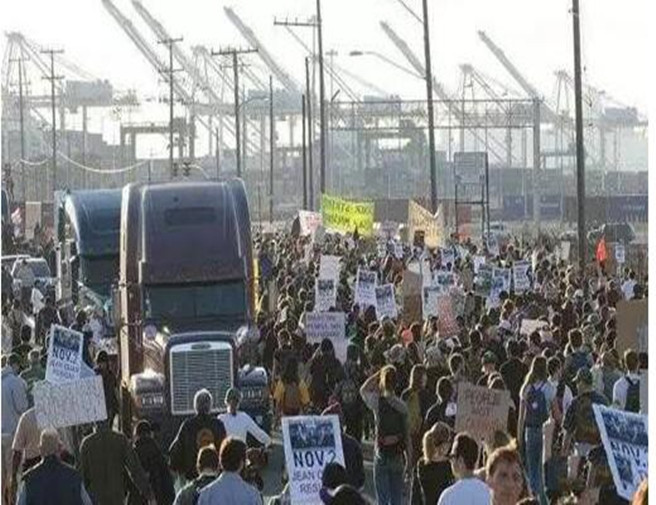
(533, 458)
(388, 479)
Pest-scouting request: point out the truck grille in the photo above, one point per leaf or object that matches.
(192, 369)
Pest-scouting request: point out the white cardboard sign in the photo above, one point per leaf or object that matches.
(365, 288)
(386, 302)
(70, 403)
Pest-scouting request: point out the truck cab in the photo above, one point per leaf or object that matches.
(87, 227)
(186, 301)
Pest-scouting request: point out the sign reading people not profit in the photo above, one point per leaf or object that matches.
(330, 325)
(481, 411)
(310, 443)
(346, 216)
(64, 355)
(625, 439)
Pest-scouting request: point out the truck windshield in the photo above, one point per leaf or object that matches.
(172, 302)
(98, 273)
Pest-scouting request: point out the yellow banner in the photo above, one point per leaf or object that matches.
(345, 216)
(420, 219)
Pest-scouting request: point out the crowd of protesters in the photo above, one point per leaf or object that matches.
(396, 392)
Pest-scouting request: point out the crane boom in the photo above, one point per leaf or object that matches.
(438, 89)
(285, 79)
(548, 112)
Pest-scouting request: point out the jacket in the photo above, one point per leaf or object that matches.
(14, 400)
(52, 482)
(105, 456)
(153, 462)
(194, 433)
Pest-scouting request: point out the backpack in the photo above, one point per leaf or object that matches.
(291, 399)
(391, 429)
(536, 407)
(585, 425)
(632, 396)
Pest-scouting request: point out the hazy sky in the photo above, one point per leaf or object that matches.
(535, 34)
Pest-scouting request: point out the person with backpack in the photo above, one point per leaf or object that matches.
(325, 372)
(626, 392)
(208, 471)
(391, 453)
(577, 359)
(347, 394)
(606, 373)
(580, 425)
(291, 394)
(536, 399)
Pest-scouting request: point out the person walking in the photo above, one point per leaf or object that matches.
(208, 470)
(432, 474)
(238, 424)
(229, 488)
(468, 490)
(505, 476)
(52, 482)
(626, 391)
(109, 385)
(34, 372)
(105, 457)
(392, 448)
(536, 401)
(14, 403)
(153, 462)
(194, 433)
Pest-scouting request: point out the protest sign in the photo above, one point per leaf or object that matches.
(330, 325)
(411, 291)
(444, 278)
(386, 302)
(631, 325)
(528, 326)
(565, 247)
(310, 443)
(478, 261)
(329, 267)
(481, 411)
(430, 295)
(448, 257)
(347, 216)
(483, 280)
(421, 220)
(620, 254)
(309, 221)
(64, 355)
(501, 278)
(365, 288)
(447, 323)
(492, 245)
(644, 392)
(69, 404)
(325, 295)
(625, 439)
(521, 280)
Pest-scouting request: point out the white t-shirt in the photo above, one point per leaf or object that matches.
(621, 389)
(241, 424)
(471, 491)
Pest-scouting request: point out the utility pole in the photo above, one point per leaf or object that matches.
(234, 52)
(272, 141)
(308, 95)
(304, 154)
(431, 116)
(322, 101)
(169, 43)
(580, 151)
(21, 116)
(52, 78)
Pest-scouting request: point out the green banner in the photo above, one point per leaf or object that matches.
(345, 216)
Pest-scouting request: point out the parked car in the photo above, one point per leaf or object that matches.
(613, 232)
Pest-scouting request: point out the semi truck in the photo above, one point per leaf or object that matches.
(186, 302)
(87, 245)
